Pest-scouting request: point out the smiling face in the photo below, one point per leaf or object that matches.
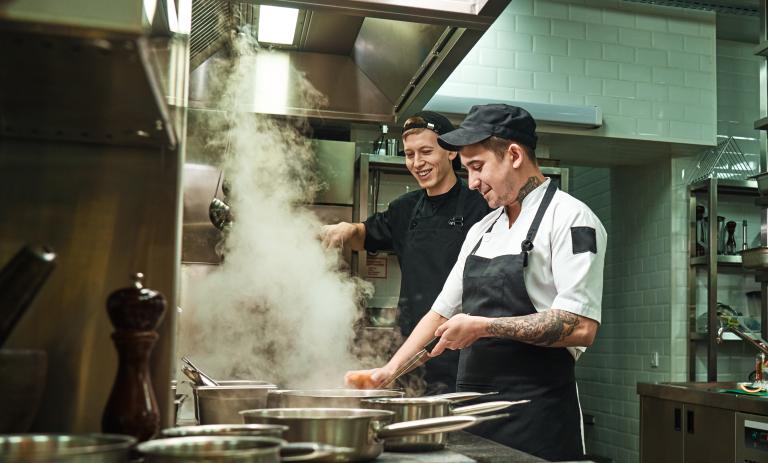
(497, 178)
(428, 162)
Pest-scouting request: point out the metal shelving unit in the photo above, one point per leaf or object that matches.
(713, 263)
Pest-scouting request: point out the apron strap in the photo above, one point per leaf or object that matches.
(416, 210)
(527, 245)
(472, 253)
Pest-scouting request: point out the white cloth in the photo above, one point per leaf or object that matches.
(555, 277)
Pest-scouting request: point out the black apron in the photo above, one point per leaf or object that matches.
(428, 254)
(550, 425)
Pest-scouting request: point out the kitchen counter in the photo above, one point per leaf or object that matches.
(464, 447)
(706, 394)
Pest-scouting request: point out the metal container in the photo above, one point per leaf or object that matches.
(268, 430)
(221, 404)
(362, 431)
(225, 449)
(325, 398)
(65, 448)
(419, 408)
(755, 258)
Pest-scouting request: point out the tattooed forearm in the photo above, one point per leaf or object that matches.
(526, 189)
(542, 329)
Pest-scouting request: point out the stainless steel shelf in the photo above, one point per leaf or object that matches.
(724, 185)
(761, 124)
(721, 260)
(702, 337)
(95, 86)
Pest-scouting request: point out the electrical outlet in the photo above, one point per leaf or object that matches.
(654, 360)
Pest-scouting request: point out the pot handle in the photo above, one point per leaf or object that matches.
(486, 407)
(458, 397)
(433, 425)
(309, 451)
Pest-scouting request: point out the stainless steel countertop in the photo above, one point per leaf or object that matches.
(706, 394)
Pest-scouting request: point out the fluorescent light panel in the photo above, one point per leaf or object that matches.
(277, 24)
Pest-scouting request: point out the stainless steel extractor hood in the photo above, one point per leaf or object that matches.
(374, 60)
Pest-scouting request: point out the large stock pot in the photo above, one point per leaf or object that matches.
(324, 398)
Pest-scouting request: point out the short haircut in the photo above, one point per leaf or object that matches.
(499, 146)
(418, 120)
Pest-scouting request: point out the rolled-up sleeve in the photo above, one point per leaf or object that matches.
(578, 258)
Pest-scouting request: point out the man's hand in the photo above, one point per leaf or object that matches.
(459, 332)
(343, 234)
(368, 379)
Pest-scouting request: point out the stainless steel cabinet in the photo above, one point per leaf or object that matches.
(677, 432)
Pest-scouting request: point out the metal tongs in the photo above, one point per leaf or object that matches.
(196, 375)
(418, 359)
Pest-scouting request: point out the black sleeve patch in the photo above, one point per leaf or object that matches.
(584, 240)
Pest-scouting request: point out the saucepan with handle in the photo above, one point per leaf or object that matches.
(362, 431)
(419, 408)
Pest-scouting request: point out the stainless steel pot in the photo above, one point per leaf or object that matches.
(419, 408)
(221, 404)
(268, 430)
(65, 448)
(324, 398)
(226, 449)
(363, 431)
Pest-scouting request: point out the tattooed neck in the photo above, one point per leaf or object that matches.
(542, 329)
(526, 189)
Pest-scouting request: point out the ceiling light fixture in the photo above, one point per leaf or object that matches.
(277, 24)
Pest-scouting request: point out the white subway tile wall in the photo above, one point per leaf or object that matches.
(646, 289)
(738, 96)
(552, 51)
(636, 300)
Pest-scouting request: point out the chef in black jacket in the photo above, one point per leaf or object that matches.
(424, 228)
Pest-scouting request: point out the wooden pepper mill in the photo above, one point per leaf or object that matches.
(132, 407)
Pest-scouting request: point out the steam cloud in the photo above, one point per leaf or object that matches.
(278, 308)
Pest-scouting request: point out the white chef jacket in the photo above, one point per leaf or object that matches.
(556, 276)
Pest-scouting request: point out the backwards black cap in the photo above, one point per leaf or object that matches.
(484, 121)
(435, 122)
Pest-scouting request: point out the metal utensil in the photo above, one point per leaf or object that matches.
(458, 397)
(194, 376)
(204, 378)
(418, 359)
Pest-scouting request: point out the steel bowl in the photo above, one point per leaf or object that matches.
(65, 448)
(225, 449)
(269, 430)
(221, 404)
(325, 398)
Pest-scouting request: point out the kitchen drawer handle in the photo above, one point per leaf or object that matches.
(678, 419)
(689, 421)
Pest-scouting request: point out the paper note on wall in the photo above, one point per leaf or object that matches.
(376, 266)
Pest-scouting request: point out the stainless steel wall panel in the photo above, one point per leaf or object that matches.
(107, 212)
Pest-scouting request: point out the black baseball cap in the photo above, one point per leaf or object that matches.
(483, 121)
(435, 122)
